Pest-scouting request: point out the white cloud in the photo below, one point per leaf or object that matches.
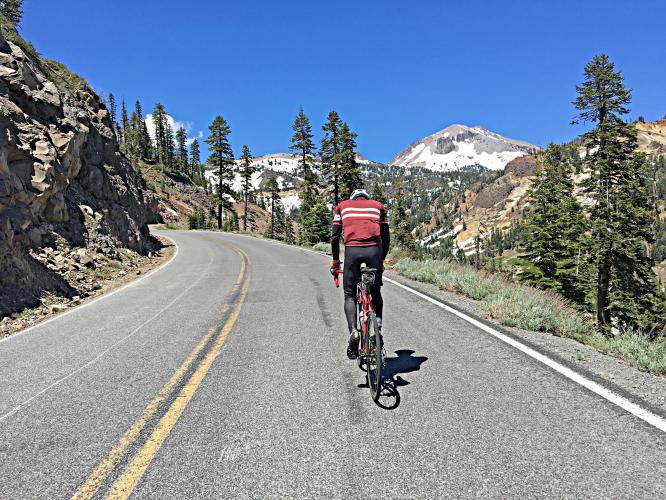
(199, 136)
(175, 125)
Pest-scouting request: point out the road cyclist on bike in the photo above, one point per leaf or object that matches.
(363, 225)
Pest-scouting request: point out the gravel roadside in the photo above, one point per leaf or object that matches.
(98, 277)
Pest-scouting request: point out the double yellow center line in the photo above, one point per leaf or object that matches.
(205, 353)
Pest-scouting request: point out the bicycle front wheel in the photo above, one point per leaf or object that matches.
(374, 360)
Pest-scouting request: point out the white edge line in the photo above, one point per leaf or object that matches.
(616, 399)
(101, 297)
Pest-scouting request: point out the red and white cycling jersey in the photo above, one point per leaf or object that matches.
(361, 221)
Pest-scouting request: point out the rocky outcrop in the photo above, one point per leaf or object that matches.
(524, 166)
(62, 176)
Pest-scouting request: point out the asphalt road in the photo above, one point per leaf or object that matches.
(269, 406)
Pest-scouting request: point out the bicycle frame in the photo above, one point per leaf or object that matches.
(363, 298)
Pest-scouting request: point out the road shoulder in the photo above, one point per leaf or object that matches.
(646, 389)
(105, 279)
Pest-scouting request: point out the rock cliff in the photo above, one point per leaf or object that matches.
(63, 179)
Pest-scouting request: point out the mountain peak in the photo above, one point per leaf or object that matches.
(458, 146)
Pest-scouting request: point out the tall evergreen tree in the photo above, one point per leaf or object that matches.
(329, 153)
(621, 215)
(303, 147)
(554, 231)
(350, 174)
(112, 109)
(274, 202)
(169, 146)
(12, 10)
(246, 170)
(399, 219)
(182, 155)
(195, 162)
(143, 138)
(222, 157)
(123, 117)
(131, 137)
(160, 122)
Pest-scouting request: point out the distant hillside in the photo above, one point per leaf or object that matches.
(499, 204)
(652, 136)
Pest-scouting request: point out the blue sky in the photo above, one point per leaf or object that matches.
(395, 70)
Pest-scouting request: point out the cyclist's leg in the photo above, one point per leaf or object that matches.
(374, 259)
(350, 279)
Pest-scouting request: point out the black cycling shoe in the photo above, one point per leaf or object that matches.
(352, 346)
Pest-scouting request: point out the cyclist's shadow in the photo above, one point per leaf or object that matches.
(403, 362)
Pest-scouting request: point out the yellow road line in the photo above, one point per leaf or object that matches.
(101, 473)
(128, 480)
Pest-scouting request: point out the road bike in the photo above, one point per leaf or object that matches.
(370, 349)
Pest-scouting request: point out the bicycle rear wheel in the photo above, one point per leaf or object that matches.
(374, 360)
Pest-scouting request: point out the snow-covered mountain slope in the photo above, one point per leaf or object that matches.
(284, 165)
(460, 146)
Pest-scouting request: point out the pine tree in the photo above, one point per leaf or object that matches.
(112, 109)
(621, 215)
(12, 10)
(274, 203)
(554, 231)
(303, 147)
(143, 138)
(316, 223)
(123, 118)
(221, 157)
(130, 137)
(329, 153)
(181, 152)
(169, 146)
(195, 162)
(160, 121)
(399, 219)
(350, 175)
(378, 193)
(289, 235)
(246, 170)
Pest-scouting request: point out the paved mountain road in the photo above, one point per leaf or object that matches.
(267, 405)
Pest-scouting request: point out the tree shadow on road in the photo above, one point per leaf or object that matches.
(403, 362)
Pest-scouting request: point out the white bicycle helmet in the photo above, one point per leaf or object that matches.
(359, 193)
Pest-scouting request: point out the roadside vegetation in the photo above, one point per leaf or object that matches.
(529, 308)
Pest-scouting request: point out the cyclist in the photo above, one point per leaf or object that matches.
(367, 240)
